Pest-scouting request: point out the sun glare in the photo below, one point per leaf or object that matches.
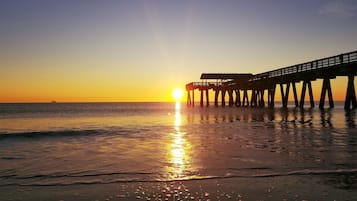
(177, 94)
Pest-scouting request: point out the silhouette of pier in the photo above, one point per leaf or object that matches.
(237, 86)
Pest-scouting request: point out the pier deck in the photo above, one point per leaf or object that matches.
(233, 84)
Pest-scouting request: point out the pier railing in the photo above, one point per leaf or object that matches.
(333, 61)
(194, 85)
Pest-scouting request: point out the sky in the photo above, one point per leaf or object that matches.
(140, 50)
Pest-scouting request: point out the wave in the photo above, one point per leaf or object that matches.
(308, 172)
(57, 133)
(124, 131)
(14, 176)
(128, 131)
(97, 178)
(11, 158)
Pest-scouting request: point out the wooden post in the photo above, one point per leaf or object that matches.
(188, 98)
(350, 94)
(282, 94)
(261, 102)
(245, 98)
(312, 102)
(216, 93)
(256, 98)
(238, 102)
(201, 98)
(193, 97)
(287, 90)
(329, 93)
(207, 98)
(223, 97)
(295, 95)
(302, 100)
(303, 91)
(285, 96)
(271, 96)
(253, 99)
(323, 94)
(230, 94)
(326, 86)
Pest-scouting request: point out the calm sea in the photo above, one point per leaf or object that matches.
(94, 143)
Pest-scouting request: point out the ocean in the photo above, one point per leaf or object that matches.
(61, 144)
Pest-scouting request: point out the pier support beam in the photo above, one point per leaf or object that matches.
(295, 95)
(302, 100)
(193, 98)
(271, 96)
(230, 94)
(253, 100)
(188, 98)
(312, 102)
(216, 94)
(285, 95)
(245, 98)
(201, 98)
(261, 98)
(223, 97)
(350, 94)
(326, 86)
(238, 102)
(207, 98)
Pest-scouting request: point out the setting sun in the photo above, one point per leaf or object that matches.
(177, 94)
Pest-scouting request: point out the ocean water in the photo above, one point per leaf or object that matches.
(97, 143)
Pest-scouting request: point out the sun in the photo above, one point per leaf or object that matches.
(177, 94)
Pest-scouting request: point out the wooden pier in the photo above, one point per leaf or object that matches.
(236, 86)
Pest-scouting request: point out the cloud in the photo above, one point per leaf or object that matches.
(340, 8)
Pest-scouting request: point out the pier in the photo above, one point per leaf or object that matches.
(263, 86)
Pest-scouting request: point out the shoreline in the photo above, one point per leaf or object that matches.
(303, 187)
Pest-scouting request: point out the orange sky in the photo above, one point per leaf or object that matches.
(141, 50)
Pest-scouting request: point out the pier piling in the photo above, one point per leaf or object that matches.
(238, 102)
(350, 94)
(326, 86)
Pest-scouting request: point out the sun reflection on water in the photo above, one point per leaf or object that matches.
(177, 116)
(178, 148)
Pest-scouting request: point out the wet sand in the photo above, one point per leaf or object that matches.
(306, 187)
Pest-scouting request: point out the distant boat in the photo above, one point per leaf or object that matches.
(53, 101)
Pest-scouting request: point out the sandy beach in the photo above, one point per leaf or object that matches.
(331, 187)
